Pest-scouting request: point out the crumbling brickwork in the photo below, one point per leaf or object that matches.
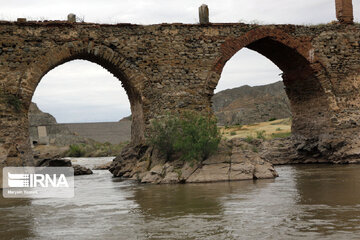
(177, 66)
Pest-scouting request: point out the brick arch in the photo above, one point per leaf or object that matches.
(231, 46)
(131, 78)
(301, 49)
(301, 73)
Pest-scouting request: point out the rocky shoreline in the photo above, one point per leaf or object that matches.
(235, 160)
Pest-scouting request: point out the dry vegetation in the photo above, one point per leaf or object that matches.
(267, 130)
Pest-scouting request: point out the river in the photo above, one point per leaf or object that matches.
(305, 202)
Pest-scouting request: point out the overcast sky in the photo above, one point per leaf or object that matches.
(81, 91)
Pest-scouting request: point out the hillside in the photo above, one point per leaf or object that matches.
(238, 106)
(246, 105)
(63, 134)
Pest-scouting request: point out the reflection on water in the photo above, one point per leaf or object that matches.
(305, 202)
(330, 199)
(16, 221)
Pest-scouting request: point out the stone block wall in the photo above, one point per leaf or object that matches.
(173, 67)
(344, 11)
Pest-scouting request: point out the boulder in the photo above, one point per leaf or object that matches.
(78, 169)
(81, 170)
(53, 163)
(264, 170)
(105, 166)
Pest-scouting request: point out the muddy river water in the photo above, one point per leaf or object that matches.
(305, 202)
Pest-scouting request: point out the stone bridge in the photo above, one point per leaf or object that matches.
(177, 66)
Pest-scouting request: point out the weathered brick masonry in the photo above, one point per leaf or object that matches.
(177, 66)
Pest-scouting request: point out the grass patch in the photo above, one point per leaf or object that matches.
(281, 135)
(272, 119)
(260, 134)
(94, 149)
(254, 149)
(262, 130)
(249, 139)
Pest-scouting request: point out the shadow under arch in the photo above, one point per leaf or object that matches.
(301, 74)
(130, 78)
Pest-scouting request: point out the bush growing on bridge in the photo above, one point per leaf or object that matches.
(194, 136)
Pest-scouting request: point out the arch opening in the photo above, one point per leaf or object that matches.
(308, 103)
(251, 98)
(111, 65)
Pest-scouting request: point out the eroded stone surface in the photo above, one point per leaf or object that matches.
(211, 173)
(224, 165)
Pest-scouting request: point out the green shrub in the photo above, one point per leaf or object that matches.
(281, 135)
(272, 119)
(260, 134)
(254, 149)
(191, 134)
(249, 139)
(76, 151)
(94, 149)
(233, 133)
(278, 129)
(163, 134)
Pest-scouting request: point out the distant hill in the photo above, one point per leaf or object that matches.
(242, 105)
(63, 134)
(247, 105)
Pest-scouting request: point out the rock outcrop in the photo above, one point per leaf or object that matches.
(54, 163)
(53, 133)
(284, 151)
(78, 169)
(247, 105)
(81, 170)
(64, 134)
(235, 160)
(38, 117)
(105, 166)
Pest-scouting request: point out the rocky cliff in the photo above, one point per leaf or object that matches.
(53, 133)
(246, 105)
(39, 118)
(71, 133)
